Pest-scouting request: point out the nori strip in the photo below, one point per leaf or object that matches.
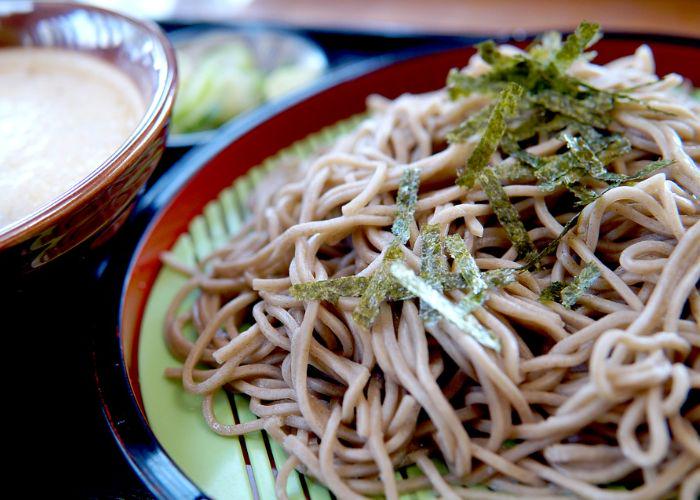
(377, 289)
(452, 313)
(330, 290)
(586, 34)
(433, 267)
(406, 200)
(568, 293)
(495, 128)
(506, 213)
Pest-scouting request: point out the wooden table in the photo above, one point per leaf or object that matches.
(496, 17)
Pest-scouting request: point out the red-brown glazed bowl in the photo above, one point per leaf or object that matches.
(91, 211)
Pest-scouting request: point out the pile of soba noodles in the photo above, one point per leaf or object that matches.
(493, 286)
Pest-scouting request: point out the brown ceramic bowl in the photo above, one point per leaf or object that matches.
(91, 211)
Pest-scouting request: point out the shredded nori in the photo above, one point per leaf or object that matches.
(552, 98)
(433, 267)
(381, 285)
(594, 108)
(579, 285)
(553, 292)
(506, 213)
(330, 290)
(528, 121)
(535, 95)
(568, 293)
(452, 313)
(476, 168)
(377, 289)
(501, 277)
(542, 68)
(495, 128)
(584, 194)
(544, 46)
(587, 156)
(520, 172)
(470, 126)
(586, 160)
(467, 268)
(406, 200)
(466, 265)
(586, 34)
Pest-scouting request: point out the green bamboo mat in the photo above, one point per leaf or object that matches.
(223, 467)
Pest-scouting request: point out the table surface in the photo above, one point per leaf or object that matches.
(57, 435)
(64, 441)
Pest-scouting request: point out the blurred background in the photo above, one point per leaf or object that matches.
(492, 17)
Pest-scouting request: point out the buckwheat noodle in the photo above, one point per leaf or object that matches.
(575, 401)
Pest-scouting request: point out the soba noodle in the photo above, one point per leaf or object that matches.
(575, 400)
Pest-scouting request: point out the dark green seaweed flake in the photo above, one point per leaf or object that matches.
(532, 161)
(461, 85)
(500, 277)
(330, 290)
(437, 301)
(588, 155)
(465, 264)
(380, 283)
(529, 120)
(553, 292)
(470, 126)
(433, 267)
(590, 160)
(549, 100)
(559, 170)
(489, 52)
(506, 213)
(568, 293)
(495, 128)
(543, 67)
(518, 171)
(579, 285)
(613, 147)
(467, 268)
(593, 107)
(406, 200)
(586, 34)
(587, 161)
(354, 286)
(584, 194)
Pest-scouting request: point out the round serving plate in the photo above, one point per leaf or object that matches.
(198, 204)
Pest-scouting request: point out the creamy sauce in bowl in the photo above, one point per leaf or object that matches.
(62, 114)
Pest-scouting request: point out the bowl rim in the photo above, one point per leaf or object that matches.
(120, 403)
(154, 118)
